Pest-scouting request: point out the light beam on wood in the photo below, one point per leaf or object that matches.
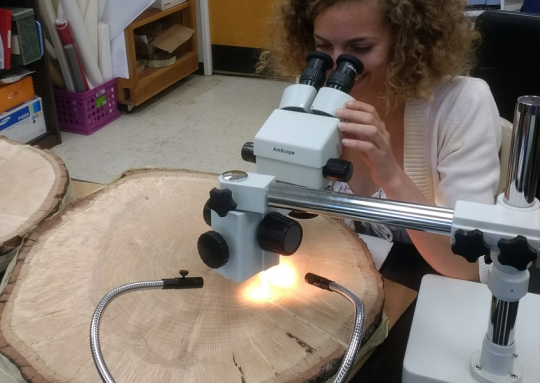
(144, 227)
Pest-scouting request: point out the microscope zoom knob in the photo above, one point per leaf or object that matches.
(516, 252)
(338, 170)
(221, 201)
(213, 249)
(248, 152)
(470, 245)
(279, 234)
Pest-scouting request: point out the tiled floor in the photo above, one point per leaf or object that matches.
(198, 124)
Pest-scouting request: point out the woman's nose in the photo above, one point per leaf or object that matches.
(335, 56)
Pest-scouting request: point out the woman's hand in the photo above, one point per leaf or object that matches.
(365, 133)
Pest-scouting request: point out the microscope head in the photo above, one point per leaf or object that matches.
(300, 142)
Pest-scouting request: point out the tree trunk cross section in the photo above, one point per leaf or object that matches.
(145, 227)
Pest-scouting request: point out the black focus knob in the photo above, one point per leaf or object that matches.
(470, 245)
(338, 170)
(516, 252)
(213, 249)
(248, 152)
(221, 201)
(279, 234)
(207, 213)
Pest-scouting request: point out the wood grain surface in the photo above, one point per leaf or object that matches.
(145, 226)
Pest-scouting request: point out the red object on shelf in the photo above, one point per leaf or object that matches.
(66, 38)
(5, 31)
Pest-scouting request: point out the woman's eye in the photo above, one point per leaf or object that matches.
(361, 49)
(322, 46)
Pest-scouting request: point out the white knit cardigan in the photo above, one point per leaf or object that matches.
(452, 143)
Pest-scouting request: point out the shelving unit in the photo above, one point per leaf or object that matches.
(42, 85)
(142, 86)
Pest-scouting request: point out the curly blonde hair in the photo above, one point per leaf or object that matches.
(432, 40)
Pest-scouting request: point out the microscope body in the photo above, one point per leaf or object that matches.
(299, 144)
(296, 147)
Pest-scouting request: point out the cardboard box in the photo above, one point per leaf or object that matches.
(173, 37)
(164, 36)
(16, 93)
(166, 4)
(23, 123)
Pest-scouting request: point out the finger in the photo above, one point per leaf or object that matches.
(358, 117)
(364, 133)
(362, 107)
(363, 146)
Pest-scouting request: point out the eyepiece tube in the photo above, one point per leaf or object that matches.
(335, 94)
(348, 67)
(318, 63)
(299, 97)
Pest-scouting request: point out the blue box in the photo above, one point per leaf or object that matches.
(493, 4)
(24, 122)
(476, 4)
(483, 4)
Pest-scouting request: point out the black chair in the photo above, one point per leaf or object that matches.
(509, 58)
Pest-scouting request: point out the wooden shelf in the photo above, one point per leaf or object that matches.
(149, 73)
(141, 86)
(155, 14)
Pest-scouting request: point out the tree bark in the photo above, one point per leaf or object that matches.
(145, 227)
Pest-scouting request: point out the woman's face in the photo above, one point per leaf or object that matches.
(356, 28)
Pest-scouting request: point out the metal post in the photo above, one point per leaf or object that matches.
(502, 321)
(524, 165)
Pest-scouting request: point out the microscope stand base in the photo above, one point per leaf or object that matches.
(485, 377)
(450, 322)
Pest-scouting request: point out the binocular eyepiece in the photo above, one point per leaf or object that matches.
(319, 63)
(348, 67)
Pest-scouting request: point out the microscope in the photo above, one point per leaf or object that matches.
(298, 144)
(297, 154)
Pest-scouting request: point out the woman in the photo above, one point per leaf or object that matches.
(417, 132)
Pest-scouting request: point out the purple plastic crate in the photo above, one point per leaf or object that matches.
(85, 113)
